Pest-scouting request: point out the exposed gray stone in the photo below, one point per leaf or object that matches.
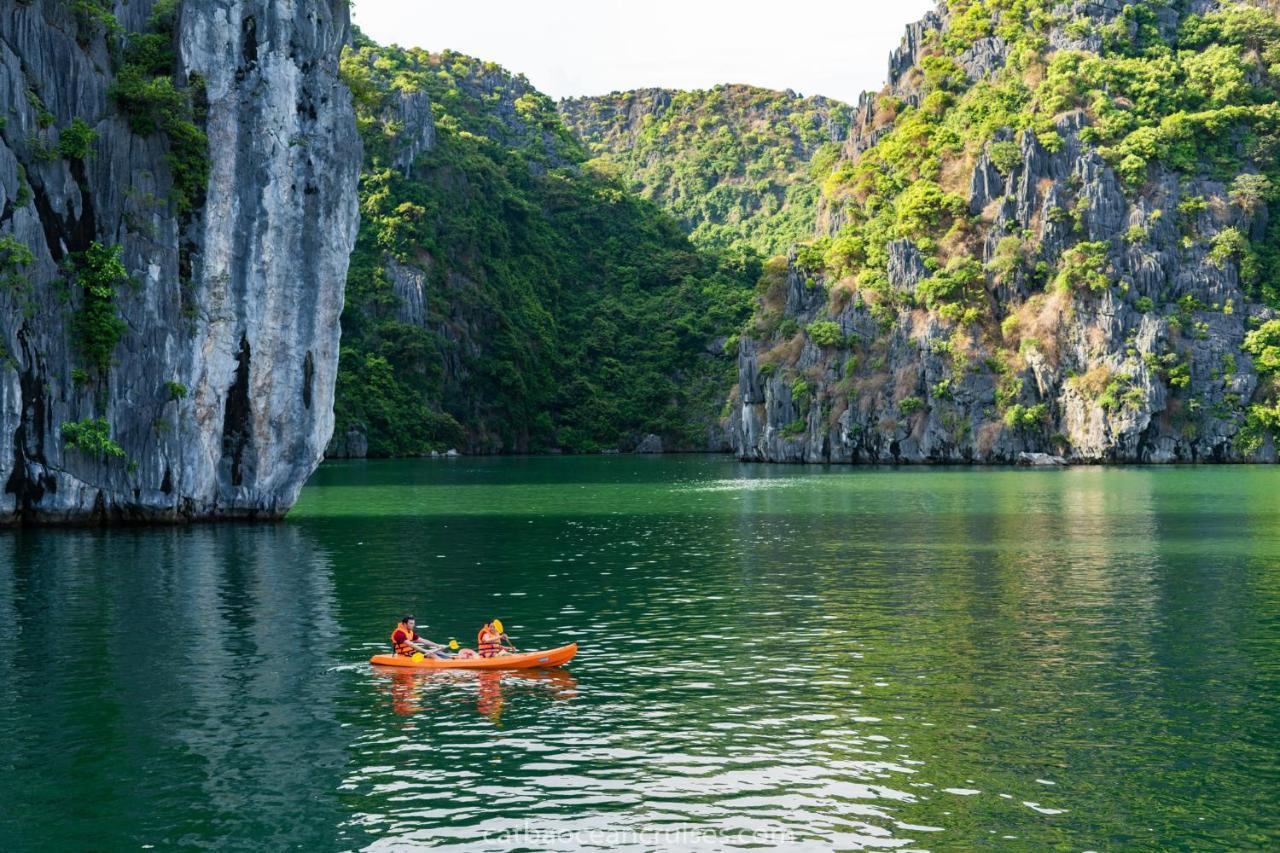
(1041, 460)
(649, 444)
(238, 303)
(411, 112)
(906, 266)
(354, 444)
(906, 56)
(984, 58)
(410, 286)
(986, 186)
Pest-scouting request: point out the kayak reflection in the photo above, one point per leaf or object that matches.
(412, 692)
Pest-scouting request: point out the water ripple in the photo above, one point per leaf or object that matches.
(770, 657)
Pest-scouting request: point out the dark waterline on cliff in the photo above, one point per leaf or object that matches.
(831, 656)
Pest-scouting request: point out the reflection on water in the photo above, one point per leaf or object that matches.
(773, 656)
(487, 690)
(158, 681)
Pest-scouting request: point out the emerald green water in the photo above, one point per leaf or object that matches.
(811, 658)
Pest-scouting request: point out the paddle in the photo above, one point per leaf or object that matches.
(453, 646)
(502, 634)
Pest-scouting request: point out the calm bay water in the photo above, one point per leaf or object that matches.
(776, 656)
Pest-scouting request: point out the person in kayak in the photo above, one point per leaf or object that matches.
(489, 640)
(408, 642)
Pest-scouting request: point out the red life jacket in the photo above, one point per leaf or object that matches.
(404, 648)
(488, 648)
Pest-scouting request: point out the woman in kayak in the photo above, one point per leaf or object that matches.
(408, 642)
(489, 640)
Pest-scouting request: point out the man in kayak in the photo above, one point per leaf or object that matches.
(408, 642)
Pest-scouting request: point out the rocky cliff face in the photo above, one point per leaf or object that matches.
(1030, 289)
(169, 343)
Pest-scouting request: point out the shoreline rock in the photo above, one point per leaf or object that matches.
(1041, 460)
(650, 444)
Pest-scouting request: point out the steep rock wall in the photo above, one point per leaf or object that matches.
(219, 389)
(1144, 363)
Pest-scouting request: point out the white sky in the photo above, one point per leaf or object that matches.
(590, 47)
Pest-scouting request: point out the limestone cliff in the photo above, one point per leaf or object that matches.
(179, 203)
(1021, 251)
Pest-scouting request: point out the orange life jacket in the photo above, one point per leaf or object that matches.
(488, 648)
(403, 648)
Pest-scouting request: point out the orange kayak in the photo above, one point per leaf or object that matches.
(523, 660)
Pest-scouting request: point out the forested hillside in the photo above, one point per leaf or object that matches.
(739, 166)
(506, 295)
(1055, 229)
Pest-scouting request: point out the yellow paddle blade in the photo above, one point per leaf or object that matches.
(418, 656)
(453, 645)
(497, 626)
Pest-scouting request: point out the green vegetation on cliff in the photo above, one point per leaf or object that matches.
(1200, 100)
(149, 98)
(97, 326)
(734, 163)
(1263, 415)
(506, 295)
(92, 437)
(1052, 229)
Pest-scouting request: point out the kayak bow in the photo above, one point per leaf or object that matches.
(524, 660)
